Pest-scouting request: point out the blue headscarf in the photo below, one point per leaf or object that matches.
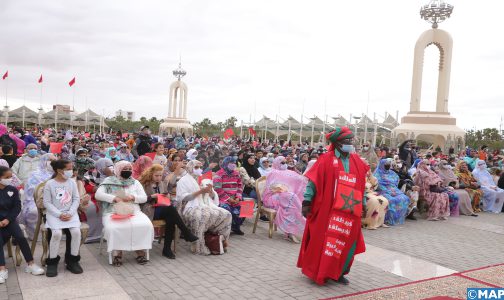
(385, 177)
(413, 168)
(107, 153)
(225, 163)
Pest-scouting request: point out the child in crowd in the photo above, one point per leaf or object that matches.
(61, 200)
(10, 207)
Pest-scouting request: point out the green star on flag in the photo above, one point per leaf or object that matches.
(350, 201)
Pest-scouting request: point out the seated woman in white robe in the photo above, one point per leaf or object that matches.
(201, 211)
(121, 194)
(493, 196)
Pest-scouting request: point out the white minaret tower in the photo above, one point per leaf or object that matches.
(177, 121)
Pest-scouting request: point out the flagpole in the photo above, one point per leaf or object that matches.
(6, 105)
(41, 84)
(6, 88)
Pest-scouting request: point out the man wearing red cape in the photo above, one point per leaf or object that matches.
(333, 206)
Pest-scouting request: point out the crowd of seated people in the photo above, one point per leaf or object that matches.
(103, 179)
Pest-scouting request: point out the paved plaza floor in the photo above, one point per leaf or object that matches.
(257, 267)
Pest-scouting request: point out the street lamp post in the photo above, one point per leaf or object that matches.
(436, 11)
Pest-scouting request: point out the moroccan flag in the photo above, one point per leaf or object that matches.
(252, 131)
(228, 133)
(207, 175)
(5, 75)
(72, 82)
(40, 79)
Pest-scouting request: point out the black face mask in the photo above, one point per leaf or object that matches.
(126, 174)
(387, 167)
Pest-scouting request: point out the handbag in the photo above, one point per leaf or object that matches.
(214, 243)
(123, 208)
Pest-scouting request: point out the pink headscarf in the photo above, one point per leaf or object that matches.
(277, 162)
(120, 166)
(142, 163)
(19, 142)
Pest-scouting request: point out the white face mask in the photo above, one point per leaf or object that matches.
(399, 166)
(284, 167)
(68, 174)
(6, 181)
(198, 172)
(365, 148)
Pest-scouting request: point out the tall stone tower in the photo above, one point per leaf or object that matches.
(177, 121)
(437, 127)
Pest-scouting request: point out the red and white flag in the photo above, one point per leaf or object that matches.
(252, 131)
(40, 79)
(5, 75)
(72, 82)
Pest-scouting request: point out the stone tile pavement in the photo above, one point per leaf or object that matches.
(257, 267)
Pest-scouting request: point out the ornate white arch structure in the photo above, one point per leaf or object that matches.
(177, 121)
(437, 127)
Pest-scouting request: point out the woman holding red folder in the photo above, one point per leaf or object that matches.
(155, 188)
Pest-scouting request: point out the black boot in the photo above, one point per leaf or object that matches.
(167, 252)
(189, 236)
(343, 280)
(73, 264)
(411, 216)
(52, 266)
(237, 230)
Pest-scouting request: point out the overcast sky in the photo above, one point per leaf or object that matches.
(243, 57)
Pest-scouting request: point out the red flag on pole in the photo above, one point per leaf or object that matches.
(72, 82)
(252, 131)
(228, 133)
(5, 75)
(40, 79)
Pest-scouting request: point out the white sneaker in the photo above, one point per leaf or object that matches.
(34, 269)
(4, 275)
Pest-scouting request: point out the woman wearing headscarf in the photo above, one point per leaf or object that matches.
(90, 212)
(104, 168)
(20, 144)
(413, 169)
(29, 214)
(368, 153)
(111, 154)
(154, 185)
(140, 165)
(303, 163)
(200, 208)
(192, 154)
(249, 174)
(264, 166)
(406, 185)
(450, 180)
(123, 194)
(375, 207)
(388, 187)
(493, 196)
(228, 185)
(124, 153)
(283, 192)
(431, 190)
(470, 184)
